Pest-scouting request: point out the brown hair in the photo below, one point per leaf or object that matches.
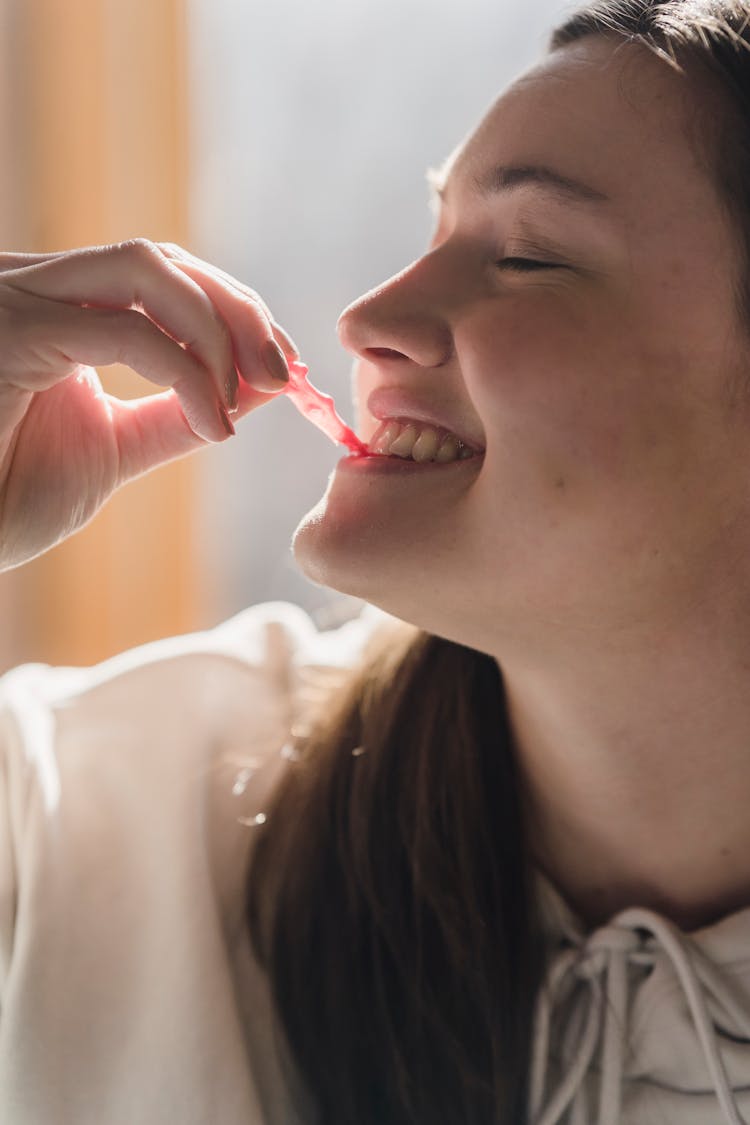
(390, 895)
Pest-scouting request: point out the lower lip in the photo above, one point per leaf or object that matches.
(380, 464)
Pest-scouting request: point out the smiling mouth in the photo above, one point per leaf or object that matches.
(418, 441)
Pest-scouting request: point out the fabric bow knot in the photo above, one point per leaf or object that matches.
(601, 963)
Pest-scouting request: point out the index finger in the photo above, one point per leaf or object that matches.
(136, 275)
(172, 250)
(254, 336)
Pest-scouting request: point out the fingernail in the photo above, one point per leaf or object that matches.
(286, 339)
(232, 392)
(225, 421)
(275, 361)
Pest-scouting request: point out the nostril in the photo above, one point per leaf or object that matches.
(385, 353)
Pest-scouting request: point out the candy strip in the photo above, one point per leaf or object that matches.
(319, 409)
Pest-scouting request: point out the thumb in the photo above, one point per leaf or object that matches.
(153, 430)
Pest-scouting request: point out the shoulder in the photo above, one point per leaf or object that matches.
(236, 683)
(144, 770)
(262, 643)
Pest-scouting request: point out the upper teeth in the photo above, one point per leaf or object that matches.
(418, 441)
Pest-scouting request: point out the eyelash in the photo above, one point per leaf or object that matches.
(527, 265)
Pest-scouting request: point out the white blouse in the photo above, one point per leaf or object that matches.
(131, 793)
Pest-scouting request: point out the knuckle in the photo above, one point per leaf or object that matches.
(221, 330)
(214, 347)
(140, 250)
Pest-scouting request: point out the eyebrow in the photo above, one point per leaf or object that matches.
(505, 178)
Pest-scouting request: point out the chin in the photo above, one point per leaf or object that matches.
(382, 543)
(358, 560)
(338, 555)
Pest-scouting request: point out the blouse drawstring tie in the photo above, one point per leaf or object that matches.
(602, 962)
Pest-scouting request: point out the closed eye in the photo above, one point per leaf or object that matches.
(521, 264)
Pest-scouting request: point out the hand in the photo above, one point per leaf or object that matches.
(65, 445)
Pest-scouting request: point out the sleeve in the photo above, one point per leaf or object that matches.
(26, 764)
(108, 767)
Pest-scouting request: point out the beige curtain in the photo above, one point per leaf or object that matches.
(93, 138)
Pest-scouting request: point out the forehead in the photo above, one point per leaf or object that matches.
(603, 112)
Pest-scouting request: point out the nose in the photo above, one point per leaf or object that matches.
(402, 319)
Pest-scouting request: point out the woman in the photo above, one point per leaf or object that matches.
(495, 874)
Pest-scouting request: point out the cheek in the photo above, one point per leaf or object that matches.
(577, 390)
(559, 385)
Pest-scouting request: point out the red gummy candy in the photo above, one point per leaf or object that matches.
(319, 409)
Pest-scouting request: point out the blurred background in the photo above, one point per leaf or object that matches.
(287, 142)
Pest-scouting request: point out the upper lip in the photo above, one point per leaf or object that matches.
(394, 402)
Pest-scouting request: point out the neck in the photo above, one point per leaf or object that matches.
(635, 759)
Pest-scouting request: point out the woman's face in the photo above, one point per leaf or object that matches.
(599, 386)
